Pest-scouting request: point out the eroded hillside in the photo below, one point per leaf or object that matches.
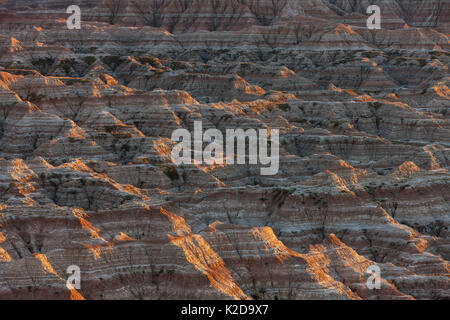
(86, 177)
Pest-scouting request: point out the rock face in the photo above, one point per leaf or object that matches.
(86, 177)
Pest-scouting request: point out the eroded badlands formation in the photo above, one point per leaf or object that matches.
(86, 177)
